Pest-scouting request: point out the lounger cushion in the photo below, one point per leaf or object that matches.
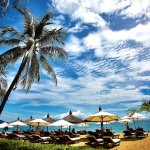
(45, 138)
(116, 140)
(75, 139)
(99, 140)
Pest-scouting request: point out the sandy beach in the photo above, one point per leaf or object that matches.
(126, 143)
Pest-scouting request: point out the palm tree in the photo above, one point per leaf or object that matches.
(145, 106)
(34, 45)
(3, 85)
(6, 4)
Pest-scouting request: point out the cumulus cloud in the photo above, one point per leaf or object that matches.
(139, 33)
(128, 8)
(77, 11)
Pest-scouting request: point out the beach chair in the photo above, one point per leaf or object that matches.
(141, 134)
(128, 134)
(69, 140)
(111, 134)
(12, 136)
(93, 141)
(39, 139)
(109, 142)
(73, 135)
(54, 138)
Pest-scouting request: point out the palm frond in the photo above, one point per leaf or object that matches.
(9, 41)
(145, 106)
(52, 51)
(43, 22)
(3, 83)
(132, 112)
(23, 80)
(8, 30)
(48, 68)
(27, 19)
(33, 72)
(52, 36)
(11, 56)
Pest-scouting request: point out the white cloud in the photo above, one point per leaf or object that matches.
(140, 33)
(75, 113)
(128, 8)
(140, 66)
(77, 28)
(74, 45)
(93, 41)
(76, 10)
(137, 8)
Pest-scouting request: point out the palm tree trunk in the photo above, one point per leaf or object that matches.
(13, 84)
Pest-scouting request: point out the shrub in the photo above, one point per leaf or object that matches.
(23, 145)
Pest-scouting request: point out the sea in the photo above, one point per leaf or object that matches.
(114, 126)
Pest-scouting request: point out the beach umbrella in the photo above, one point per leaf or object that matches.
(101, 116)
(38, 122)
(49, 120)
(5, 124)
(18, 123)
(61, 123)
(30, 119)
(72, 119)
(138, 116)
(125, 121)
(125, 117)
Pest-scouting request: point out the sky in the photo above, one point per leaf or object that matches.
(108, 63)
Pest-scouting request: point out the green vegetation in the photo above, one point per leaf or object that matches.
(145, 106)
(21, 145)
(36, 46)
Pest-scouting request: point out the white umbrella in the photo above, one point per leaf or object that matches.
(102, 116)
(5, 124)
(61, 123)
(125, 121)
(18, 123)
(38, 122)
(138, 116)
(125, 117)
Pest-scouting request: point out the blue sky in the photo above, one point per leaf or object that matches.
(108, 59)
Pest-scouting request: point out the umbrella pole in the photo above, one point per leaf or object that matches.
(134, 123)
(137, 122)
(102, 124)
(47, 128)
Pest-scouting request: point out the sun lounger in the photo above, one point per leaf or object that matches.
(141, 134)
(93, 141)
(111, 134)
(40, 139)
(129, 134)
(54, 138)
(70, 140)
(109, 142)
